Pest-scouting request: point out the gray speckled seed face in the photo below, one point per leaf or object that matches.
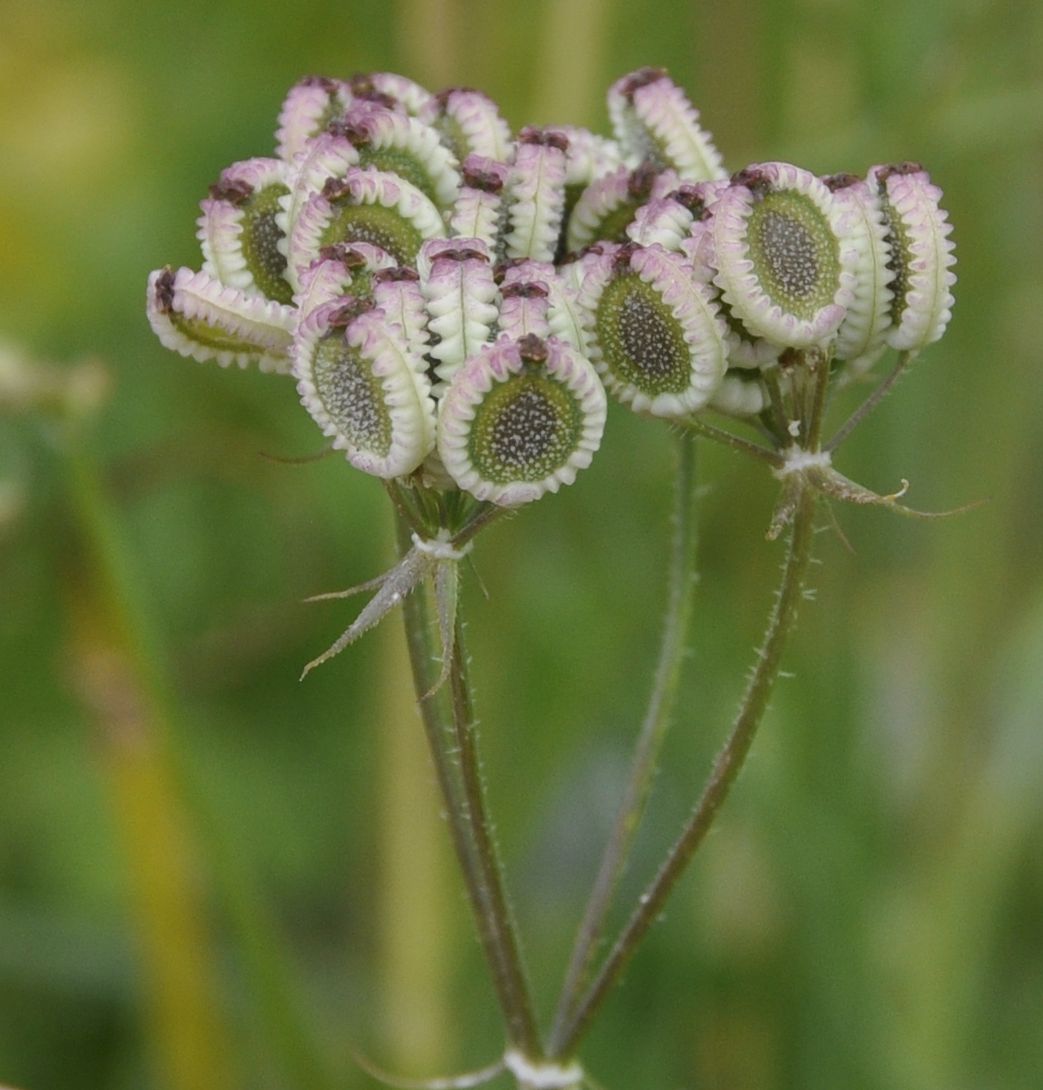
(641, 341)
(790, 253)
(351, 395)
(645, 336)
(796, 255)
(526, 429)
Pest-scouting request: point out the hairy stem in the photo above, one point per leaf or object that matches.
(502, 934)
(487, 513)
(725, 769)
(728, 439)
(870, 402)
(780, 415)
(459, 785)
(649, 741)
(818, 363)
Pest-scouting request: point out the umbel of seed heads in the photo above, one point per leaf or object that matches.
(453, 302)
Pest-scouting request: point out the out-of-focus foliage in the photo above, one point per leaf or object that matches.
(868, 912)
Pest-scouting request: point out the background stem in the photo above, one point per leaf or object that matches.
(419, 917)
(170, 831)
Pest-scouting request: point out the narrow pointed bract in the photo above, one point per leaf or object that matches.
(391, 588)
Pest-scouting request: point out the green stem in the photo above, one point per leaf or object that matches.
(736, 442)
(405, 505)
(725, 769)
(780, 416)
(819, 366)
(521, 1023)
(460, 786)
(649, 741)
(486, 514)
(870, 402)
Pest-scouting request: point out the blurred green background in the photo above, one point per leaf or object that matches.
(214, 877)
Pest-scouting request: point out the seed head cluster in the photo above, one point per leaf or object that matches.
(413, 265)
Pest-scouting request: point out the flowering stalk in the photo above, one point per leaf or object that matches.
(870, 402)
(457, 304)
(454, 753)
(650, 738)
(729, 761)
(517, 1002)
